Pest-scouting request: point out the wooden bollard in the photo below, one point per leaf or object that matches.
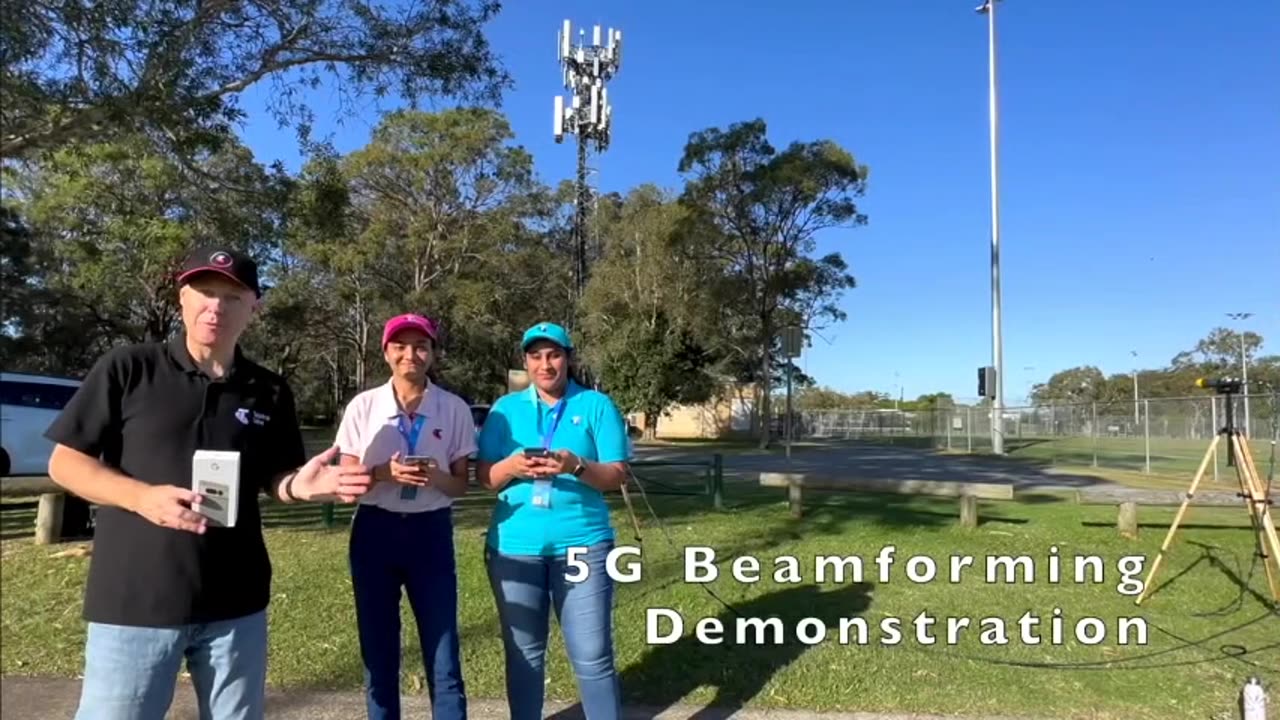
(968, 511)
(1127, 521)
(49, 518)
(793, 497)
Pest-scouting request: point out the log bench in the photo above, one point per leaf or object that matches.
(1128, 500)
(969, 493)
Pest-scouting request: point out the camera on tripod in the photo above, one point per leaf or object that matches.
(1222, 386)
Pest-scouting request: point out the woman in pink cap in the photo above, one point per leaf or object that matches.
(416, 437)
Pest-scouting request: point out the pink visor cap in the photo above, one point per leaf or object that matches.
(408, 322)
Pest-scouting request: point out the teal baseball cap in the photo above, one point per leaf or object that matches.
(546, 331)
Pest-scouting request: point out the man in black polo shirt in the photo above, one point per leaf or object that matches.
(164, 584)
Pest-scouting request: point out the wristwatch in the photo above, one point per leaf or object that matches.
(580, 469)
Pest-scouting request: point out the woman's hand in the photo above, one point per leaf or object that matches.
(406, 474)
(532, 467)
(564, 462)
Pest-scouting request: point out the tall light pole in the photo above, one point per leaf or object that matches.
(587, 114)
(1136, 421)
(997, 345)
(1244, 368)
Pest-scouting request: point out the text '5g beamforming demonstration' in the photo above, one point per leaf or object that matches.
(624, 564)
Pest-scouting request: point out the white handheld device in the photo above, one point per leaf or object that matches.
(215, 476)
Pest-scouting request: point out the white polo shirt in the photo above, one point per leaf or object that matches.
(370, 430)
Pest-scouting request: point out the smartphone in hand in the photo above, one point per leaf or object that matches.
(425, 462)
(537, 453)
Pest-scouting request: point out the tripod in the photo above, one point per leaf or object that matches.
(1255, 494)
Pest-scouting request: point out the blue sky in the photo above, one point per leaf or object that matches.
(1139, 150)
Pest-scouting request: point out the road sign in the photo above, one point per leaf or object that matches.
(792, 341)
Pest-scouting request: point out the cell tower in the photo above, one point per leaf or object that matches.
(587, 114)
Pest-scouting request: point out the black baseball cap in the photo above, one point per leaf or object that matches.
(224, 261)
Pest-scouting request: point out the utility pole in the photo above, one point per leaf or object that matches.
(997, 344)
(588, 115)
(1244, 368)
(1134, 353)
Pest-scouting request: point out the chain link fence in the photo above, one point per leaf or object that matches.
(1158, 436)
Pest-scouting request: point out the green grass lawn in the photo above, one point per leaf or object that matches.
(1209, 627)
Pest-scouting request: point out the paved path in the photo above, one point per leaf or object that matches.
(55, 699)
(882, 462)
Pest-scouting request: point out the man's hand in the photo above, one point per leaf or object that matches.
(170, 506)
(318, 480)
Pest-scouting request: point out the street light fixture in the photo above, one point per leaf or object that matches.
(997, 346)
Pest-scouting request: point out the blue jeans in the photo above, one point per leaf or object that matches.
(413, 551)
(131, 672)
(525, 588)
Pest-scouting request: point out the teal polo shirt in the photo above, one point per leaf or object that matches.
(593, 429)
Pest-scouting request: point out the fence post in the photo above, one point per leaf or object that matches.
(717, 481)
(1094, 425)
(1146, 430)
(947, 420)
(326, 514)
(968, 426)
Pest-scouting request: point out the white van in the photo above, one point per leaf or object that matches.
(28, 406)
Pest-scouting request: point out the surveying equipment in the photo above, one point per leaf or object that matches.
(1256, 495)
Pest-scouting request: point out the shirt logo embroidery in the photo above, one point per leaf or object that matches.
(437, 433)
(243, 415)
(576, 420)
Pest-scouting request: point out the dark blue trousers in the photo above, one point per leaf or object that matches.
(390, 551)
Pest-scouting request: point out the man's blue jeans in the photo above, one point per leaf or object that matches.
(388, 551)
(525, 588)
(131, 672)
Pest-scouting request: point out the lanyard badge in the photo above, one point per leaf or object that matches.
(542, 486)
(410, 435)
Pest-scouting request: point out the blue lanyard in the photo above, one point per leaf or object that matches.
(551, 430)
(410, 435)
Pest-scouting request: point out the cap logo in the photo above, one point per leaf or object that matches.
(220, 259)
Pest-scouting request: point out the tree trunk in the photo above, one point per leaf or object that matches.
(362, 340)
(766, 390)
(651, 423)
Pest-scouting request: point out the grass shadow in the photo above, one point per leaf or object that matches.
(18, 520)
(1209, 554)
(824, 512)
(1165, 526)
(669, 672)
(471, 512)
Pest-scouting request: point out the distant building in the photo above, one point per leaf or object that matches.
(729, 413)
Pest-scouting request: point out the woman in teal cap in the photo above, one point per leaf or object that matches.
(551, 452)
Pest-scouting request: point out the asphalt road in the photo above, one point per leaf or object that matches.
(836, 460)
(871, 461)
